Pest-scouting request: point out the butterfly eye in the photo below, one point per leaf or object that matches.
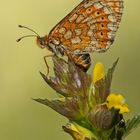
(41, 41)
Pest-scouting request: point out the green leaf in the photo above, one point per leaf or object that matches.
(108, 78)
(100, 91)
(55, 84)
(102, 87)
(131, 124)
(67, 107)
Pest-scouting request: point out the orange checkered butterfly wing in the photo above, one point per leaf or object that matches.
(90, 27)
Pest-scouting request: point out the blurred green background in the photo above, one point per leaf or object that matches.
(20, 63)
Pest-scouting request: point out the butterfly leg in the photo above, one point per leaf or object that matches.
(45, 60)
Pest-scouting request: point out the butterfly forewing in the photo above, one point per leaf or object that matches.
(91, 26)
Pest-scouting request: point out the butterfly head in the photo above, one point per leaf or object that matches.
(41, 41)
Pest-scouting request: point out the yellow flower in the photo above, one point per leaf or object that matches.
(98, 72)
(118, 102)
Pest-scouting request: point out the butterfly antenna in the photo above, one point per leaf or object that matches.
(25, 37)
(20, 26)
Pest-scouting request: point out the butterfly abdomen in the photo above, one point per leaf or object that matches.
(83, 61)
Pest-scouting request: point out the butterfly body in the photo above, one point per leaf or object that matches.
(90, 27)
(83, 61)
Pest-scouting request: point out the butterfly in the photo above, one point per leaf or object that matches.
(90, 27)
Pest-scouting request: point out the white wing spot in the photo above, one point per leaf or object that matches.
(98, 5)
(73, 18)
(119, 10)
(107, 10)
(87, 19)
(112, 18)
(56, 42)
(79, 19)
(68, 34)
(92, 26)
(76, 40)
(112, 26)
(91, 22)
(78, 32)
(90, 33)
(88, 4)
(62, 30)
(111, 35)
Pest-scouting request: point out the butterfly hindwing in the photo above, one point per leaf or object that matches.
(91, 26)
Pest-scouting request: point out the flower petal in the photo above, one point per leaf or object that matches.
(98, 72)
(117, 101)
